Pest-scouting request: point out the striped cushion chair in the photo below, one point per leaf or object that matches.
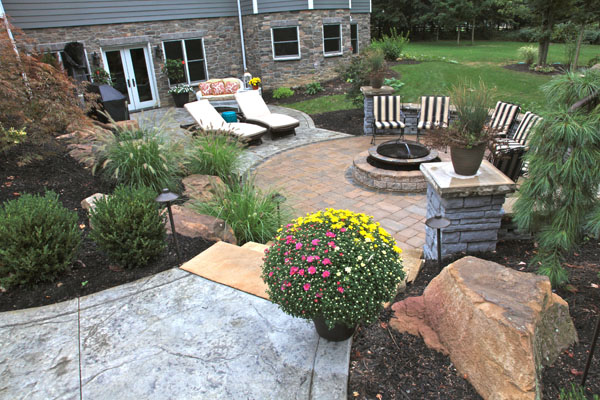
(387, 114)
(434, 113)
(503, 117)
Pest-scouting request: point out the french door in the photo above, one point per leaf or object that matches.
(131, 75)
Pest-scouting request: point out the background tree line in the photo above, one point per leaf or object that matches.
(542, 21)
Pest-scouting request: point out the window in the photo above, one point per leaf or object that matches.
(332, 40)
(285, 43)
(354, 38)
(191, 51)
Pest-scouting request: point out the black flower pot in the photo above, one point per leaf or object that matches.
(181, 99)
(338, 333)
(467, 161)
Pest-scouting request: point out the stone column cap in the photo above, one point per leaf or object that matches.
(370, 91)
(488, 181)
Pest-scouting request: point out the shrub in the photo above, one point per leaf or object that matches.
(44, 103)
(575, 392)
(214, 153)
(337, 265)
(140, 157)
(102, 77)
(38, 239)
(313, 88)
(10, 137)
(282, 93)
(357, 75)
(394, 83)
(528, 54)
(174, 70)
(128, 226)
(391, 45)
(251, 213)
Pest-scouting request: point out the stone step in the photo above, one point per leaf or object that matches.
(412, 261)
(231, 265)
(255, 246)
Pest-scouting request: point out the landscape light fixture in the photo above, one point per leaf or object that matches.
(166, 197)
(438, 222)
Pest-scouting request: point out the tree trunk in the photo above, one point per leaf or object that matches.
(437, 33)
(578, 49)
(458, 36)
(547, 24)
(473, 33)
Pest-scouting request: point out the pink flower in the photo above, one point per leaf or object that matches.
(301, 272)
(326, 261)
(312, 270)
(293, 270)
(315, 242)
(331, 244)
(270, 273)
(330, 234)
(303, 258)
(298, 246)
(306, 286)
(310, 259)
(342, 229)
(319, 295)
(286, 260)
(340, 289)
(325, 251)
(325, 274)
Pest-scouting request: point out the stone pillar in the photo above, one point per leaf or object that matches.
(472, 204)
(368, 92)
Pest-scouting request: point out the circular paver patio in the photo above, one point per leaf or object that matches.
(318, 175)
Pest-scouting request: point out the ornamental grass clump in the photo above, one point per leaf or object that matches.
(335, 264)
(39, 239)
(214, 153)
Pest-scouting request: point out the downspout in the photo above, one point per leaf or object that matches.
(14, 44)
(241, 34)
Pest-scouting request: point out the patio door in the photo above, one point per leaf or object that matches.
(131, 74)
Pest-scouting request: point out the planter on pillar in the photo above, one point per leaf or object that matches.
(472, 204)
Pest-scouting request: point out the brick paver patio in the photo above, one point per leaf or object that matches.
(317, 176)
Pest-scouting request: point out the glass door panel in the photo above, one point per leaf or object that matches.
(141, 78)
(117, 72)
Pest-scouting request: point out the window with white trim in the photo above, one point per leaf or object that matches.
(354, 38)
(286, 45)
(332, 39)
(191, 52)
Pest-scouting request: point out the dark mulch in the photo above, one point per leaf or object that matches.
(346, 121)
(92, 271)
(558, 69)
(400, 366)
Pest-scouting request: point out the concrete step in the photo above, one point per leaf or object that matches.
(231, 265)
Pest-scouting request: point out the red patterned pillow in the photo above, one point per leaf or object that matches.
(231, 87)
(205, 89)
(218, 88)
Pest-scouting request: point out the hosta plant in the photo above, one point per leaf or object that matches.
(335, 264)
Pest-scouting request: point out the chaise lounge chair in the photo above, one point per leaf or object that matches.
(256, 112)
(387, 114)
(505, 114)
(208, 118)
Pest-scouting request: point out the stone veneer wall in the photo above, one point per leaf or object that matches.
(221, 42)
(312, 66)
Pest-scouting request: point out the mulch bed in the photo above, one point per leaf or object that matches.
(92, 271)
(400, 366)
(525, 68)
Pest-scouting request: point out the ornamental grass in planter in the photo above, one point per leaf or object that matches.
(333, 265)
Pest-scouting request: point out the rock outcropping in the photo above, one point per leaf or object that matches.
(499, 326)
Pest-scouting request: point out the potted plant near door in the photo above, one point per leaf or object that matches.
(179, 90)
(467, 136)
(375, 65)
(335, 267)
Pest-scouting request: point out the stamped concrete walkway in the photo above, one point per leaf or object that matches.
(174, 335)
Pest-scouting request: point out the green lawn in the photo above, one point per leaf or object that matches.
(484, 61)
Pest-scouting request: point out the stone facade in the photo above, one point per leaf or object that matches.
(312, 66)
(222, 44)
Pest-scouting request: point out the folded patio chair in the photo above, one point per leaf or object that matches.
(256, 111)
(208, 118)
(503, 117)
(434, 113)
(387, 114)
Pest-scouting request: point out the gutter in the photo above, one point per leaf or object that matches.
(241, 33)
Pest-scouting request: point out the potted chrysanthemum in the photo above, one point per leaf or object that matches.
(335, 267)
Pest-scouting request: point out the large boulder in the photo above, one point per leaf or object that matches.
(191, 224)
(499, 326)
(200, 187)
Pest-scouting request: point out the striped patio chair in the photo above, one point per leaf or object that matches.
(434, 113)
(387, 114)
(503, 117)
(508, 153)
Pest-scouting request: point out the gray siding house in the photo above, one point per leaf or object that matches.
(284, 42)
